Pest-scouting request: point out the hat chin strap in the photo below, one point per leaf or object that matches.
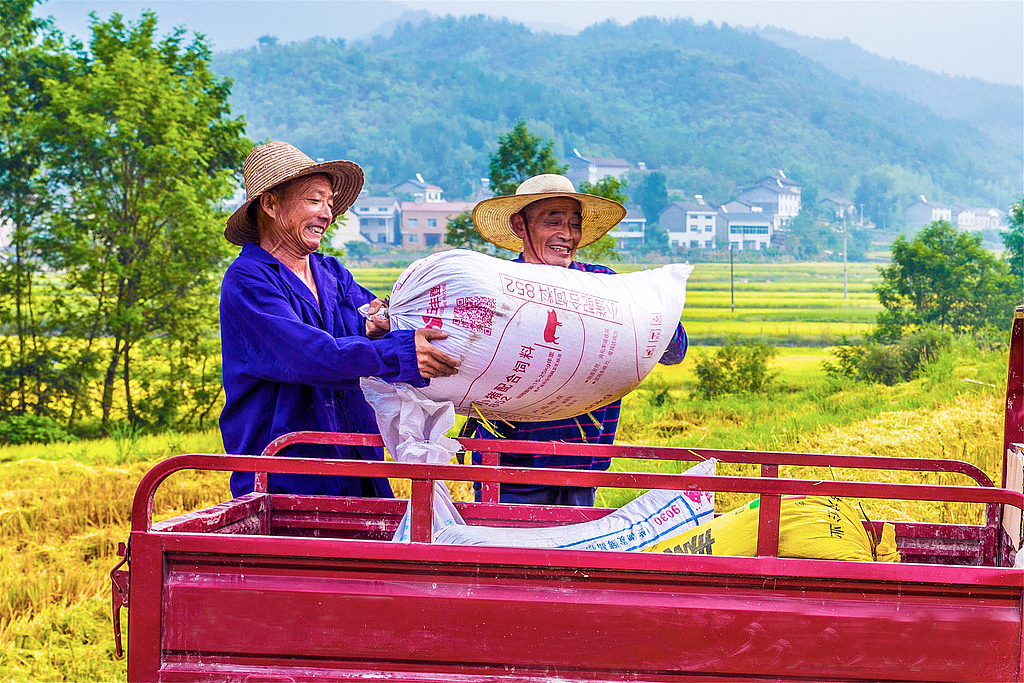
(528, 242)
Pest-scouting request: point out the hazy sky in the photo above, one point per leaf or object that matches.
(980, 38)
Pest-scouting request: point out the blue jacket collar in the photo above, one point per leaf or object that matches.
(572, 266)
(326, 283)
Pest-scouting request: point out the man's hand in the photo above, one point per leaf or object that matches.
(432, 361)
(377, 325)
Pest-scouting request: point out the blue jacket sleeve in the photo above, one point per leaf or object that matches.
(276, 345)
(676, 351)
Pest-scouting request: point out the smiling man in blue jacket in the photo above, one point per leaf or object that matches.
(546, 221)
(294, 343)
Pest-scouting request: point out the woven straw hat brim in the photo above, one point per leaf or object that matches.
(346, 181)
(493, 217)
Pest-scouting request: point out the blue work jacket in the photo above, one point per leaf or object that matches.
(291, 364)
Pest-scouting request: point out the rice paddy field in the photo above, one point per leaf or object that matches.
(64, 507)
(796, 304)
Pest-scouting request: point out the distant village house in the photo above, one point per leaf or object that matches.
(379, 218)
(424, 223)
(630, 232)
(777, 196)
(421, 190)
(690, 225)
(594, 169)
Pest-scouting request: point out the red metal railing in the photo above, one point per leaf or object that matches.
(423, 476)
(491, 450)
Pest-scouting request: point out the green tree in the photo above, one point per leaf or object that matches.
(604, 249)
(876, 191)
(521, 155)
(31, 377)
(357, 250)
(652, 195)
(460, 234)
(1013, 240)
(944, 278)
(143, 145)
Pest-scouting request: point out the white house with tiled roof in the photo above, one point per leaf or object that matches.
(776, 197)
(925, 212)
(593, 169)
(631, 231)
(746, 230)
(379, 218)
(837, 207)
(346, 229)
(690, 225)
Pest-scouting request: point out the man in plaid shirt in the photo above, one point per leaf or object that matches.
(547, 221)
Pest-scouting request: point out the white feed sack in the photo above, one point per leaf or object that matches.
(651, 518)
(538, 342)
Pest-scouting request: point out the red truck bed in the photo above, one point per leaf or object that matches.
(274, 587)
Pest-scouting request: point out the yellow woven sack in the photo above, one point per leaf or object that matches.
(810, 527)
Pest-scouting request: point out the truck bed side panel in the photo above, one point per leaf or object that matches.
(227, 612)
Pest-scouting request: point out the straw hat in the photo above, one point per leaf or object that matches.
(274, 163)
(493, 217)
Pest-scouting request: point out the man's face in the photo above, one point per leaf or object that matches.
(301, 213)
(551, 231)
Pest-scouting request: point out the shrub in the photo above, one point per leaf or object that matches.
(19, 429)
(735, 369)
(881, 363)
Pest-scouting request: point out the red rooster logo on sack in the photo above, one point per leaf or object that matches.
(551, 327)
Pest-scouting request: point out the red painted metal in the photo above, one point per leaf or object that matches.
(1013, 420)
(304, 588)
(768, 522)
(238, 598)
(142, 505)
(119, 579)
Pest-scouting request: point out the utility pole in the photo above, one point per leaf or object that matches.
(844, 259)
(732, 288)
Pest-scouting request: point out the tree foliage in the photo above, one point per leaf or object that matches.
(946, 278)
(461, 234)
(1013, 240)
(888, 364)
(142, 143)
(521, 155)
(32, 377)
(652, 195)
(113, 164)
(704, 104)
(604, 249)
(358, 250)
(876, 194)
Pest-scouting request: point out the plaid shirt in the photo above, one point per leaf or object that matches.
(582, 429)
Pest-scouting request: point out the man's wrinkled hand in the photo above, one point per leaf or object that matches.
(432, 361)
(377, 322)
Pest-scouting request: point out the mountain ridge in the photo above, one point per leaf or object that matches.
(712, 107)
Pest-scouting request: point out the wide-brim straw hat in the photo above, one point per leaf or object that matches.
(493, 217)
(274, 163)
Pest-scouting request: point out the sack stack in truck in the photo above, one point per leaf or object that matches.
(810, 527)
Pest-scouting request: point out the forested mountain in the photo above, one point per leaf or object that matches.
(711, 107)
(992, 108)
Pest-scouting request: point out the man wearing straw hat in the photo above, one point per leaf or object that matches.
(294, 343)
(546, 220)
